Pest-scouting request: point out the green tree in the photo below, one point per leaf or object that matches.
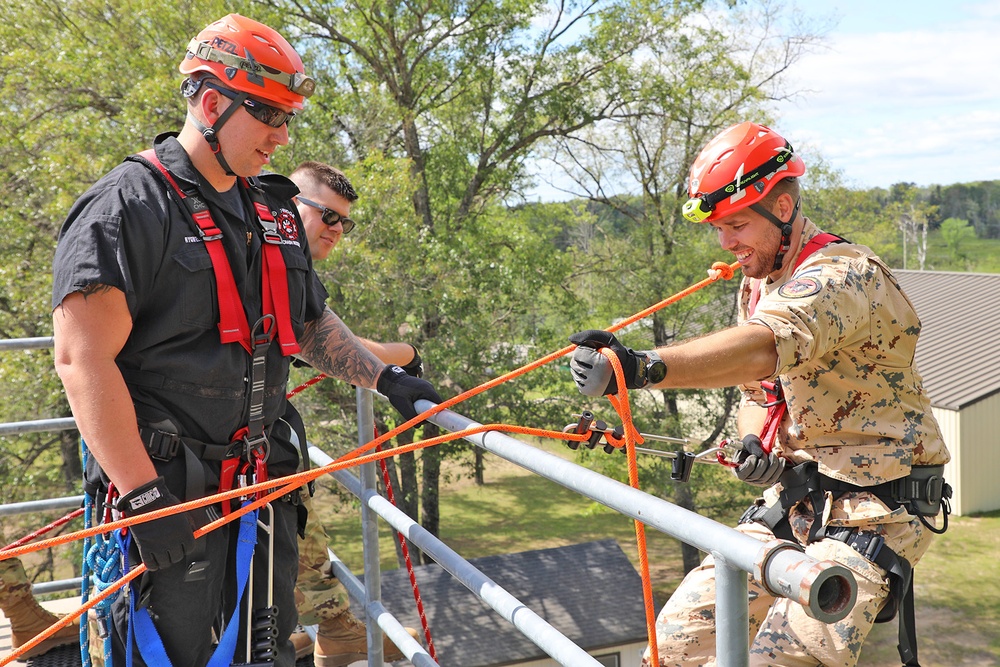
(912, 215)
(955, 232)
(465, 92)
(722, 67)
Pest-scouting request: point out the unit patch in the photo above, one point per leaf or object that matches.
(798, 288)
(287, 226)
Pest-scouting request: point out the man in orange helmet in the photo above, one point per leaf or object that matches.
(833, 414)
(182, 286)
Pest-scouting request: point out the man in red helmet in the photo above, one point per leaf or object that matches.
(182, 286)
(833, 414)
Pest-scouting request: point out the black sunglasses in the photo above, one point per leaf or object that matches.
(329, 216)
(265, 113)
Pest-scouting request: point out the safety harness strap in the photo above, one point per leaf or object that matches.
(233, 324)
(775, 405)
(143, 633)
(275, 288)
(919, 491)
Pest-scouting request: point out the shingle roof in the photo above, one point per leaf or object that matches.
(590, 592)
(958, 353)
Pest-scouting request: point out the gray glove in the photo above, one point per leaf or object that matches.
(593, 373)
(756, 466)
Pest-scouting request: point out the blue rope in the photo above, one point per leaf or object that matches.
(102, 567)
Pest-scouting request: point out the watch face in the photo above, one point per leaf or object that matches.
(656, 372)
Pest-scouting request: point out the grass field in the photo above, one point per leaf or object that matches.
(957, 583)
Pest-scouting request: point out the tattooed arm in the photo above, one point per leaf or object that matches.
(329, 346)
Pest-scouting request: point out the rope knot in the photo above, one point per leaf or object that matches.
(721, 270)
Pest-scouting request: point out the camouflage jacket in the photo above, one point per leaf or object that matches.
(846, 335)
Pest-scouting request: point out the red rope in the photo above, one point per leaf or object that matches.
(44, 529)
(406, 557)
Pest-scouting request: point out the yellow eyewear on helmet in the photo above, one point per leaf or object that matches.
(698, 209)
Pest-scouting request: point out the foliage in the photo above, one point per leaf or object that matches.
(955, 233)
(435, 111)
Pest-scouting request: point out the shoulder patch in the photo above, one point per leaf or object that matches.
(287, 227)
(798, 288)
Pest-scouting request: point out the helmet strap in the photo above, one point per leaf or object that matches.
(783, 225)
(211, 134)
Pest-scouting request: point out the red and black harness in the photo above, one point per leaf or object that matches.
(244, 458)
(923, 493)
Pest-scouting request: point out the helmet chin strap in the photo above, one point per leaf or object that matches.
(784, 226)
(211, 134)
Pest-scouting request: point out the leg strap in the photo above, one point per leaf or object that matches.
(872, 546)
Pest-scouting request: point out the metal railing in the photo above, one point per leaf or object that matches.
(826, 590)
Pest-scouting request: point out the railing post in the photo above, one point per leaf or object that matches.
(369, 530)
(732, 617)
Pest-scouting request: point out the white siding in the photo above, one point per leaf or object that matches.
(972, 438)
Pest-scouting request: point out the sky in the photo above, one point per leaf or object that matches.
(903, 91)
(899, 91)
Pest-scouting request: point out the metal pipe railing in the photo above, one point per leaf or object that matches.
(535, 628)
(69, 502)
(826, 590)
(37, 426)
(40, 343)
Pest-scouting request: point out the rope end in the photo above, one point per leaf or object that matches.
(721, 270)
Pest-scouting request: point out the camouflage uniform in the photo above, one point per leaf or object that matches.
(13, 578)
(318, 596)
(846, 337)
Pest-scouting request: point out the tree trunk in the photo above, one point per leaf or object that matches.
(429, 500)
(690, 556)
(408, 498)
(479, 467)
(72, 469)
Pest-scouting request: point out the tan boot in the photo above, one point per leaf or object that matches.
(302, 642)
(343, 640)
(27, 617)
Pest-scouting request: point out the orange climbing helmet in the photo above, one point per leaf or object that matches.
(252, 58)
(737, 169)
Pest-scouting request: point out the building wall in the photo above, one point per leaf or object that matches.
(630, 656)
(972, 437)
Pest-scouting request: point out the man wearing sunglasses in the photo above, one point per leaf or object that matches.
(182, 288)
(324, 204)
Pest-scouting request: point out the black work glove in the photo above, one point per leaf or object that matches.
(756, 466)
(162, 542)
(416, 365)
(403, 390)
(592, 371)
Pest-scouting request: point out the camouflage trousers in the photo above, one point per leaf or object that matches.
(13, 579)
(318, 596)
(780, 631)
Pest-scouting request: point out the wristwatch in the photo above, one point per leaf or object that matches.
(653, 369)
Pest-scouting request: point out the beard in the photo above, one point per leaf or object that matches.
(765, 252)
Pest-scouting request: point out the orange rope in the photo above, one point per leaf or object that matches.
(359, 456)
(633, 437)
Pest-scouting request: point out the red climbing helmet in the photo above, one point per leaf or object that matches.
(252, 58)
(737, 169)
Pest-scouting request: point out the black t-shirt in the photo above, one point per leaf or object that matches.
(128, 231)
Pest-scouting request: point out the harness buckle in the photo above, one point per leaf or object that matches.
(868, 544)
(255, 449)
(162, 446)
